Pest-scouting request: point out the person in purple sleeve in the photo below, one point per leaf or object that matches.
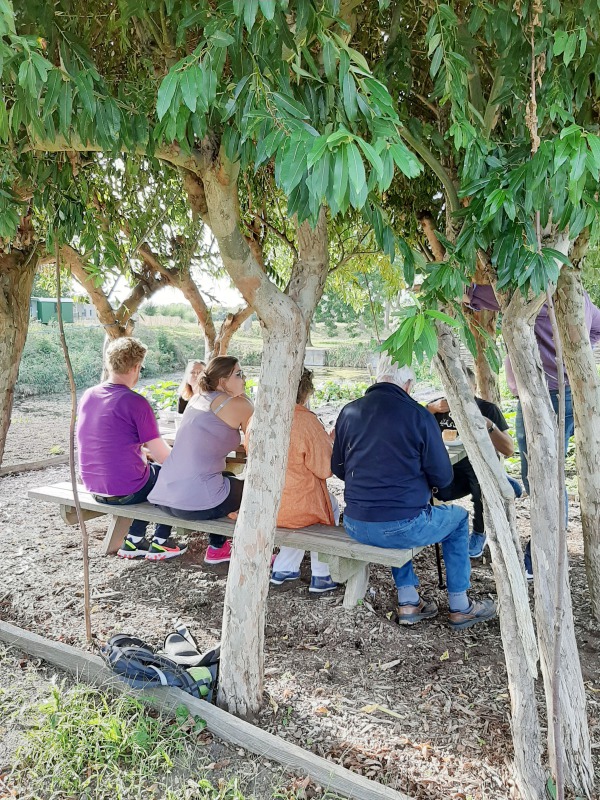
(482, 297)
(115, 428)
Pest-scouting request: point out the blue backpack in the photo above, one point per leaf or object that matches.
(136, 662)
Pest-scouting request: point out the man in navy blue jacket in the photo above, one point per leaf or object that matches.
(389, 451)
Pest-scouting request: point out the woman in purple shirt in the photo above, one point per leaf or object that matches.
(193, 483)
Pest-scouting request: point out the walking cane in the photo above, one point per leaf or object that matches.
(438, 558)
(438, 554)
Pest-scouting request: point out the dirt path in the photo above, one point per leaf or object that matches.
(424, 710)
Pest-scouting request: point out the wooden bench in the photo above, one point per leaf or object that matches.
(348, 560)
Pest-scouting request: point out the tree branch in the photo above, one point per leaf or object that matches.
(433, 163)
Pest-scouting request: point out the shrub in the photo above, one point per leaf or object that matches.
(333, 392)
(161, 396)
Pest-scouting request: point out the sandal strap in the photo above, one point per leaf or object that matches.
(181, 629)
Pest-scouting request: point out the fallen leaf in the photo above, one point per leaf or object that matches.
(445, 656)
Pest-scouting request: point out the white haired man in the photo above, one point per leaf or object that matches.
(389, 451)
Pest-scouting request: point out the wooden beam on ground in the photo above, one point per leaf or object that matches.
(29, 466)
(87, 667)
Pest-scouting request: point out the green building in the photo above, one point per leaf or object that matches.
(46, 309)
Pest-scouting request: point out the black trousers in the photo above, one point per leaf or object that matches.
(464, 483)
(232, 502)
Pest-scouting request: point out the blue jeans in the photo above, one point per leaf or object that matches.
(446, 524)
(520, 430)
(138, 526)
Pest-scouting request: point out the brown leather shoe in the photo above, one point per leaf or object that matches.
(409, 614)
(478, 611)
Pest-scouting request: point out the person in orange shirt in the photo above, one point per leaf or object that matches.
(305, 499)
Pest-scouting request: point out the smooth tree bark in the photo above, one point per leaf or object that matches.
(17, 272)
(516, 623)
(541, 431)
(585, 389)
(284, 320)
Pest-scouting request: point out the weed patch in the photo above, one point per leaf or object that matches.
(85, 744)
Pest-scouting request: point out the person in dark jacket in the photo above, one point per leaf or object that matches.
(389, 451)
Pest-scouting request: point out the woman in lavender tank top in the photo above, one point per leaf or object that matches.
(193, 483)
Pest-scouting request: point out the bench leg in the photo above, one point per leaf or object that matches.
(117, 531)
(357, 585)
(69, 514)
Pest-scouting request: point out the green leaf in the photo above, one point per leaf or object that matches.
(209, 85)
(317, 150)
(4, 131)
(318, 180)
(53, 86)
(221, 38)
(432, 312)
(65, 107)
(372, 155)
(330, 56)
(436, 61)
(380, 95)
(42, 66)
(189, 87)
(405, 161)
(341, 135)
(250, 9)
(85, 86)
(570, 49)
(293, 164)
(349, 95)
(268, 8)
(290, 106)
(582, 41)
(433, 43)
(356, 168)
(560, 40)
(166, 92)
(340, 175)
(268, 145)
(594, 145)
(550, 252)
(419, 325)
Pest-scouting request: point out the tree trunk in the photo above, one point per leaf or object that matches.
(487, 379)
(17, 271)
(285, 321)
(387, 315)
(231, 324)
(242, 662)
(585, 388)
(516, 623)
(540, 429)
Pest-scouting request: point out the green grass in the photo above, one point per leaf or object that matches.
(85, 744)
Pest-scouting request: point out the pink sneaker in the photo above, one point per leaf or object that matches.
(218, 555)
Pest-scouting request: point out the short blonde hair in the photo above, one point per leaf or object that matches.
(123, 354)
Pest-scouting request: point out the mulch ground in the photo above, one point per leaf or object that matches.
(424, 709)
